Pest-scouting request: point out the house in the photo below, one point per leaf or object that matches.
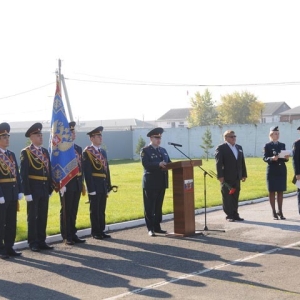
(290, 115)
(272, 111)
(176, 117)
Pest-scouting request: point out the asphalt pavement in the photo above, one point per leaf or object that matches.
(258, 258)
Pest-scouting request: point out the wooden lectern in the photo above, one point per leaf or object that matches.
(183, 196)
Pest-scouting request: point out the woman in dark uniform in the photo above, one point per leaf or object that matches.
(276, 171)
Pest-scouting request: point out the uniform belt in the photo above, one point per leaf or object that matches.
(98, 175)
(37, 177)
(8, 180)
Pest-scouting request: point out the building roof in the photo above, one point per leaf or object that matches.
(274, 108)
(175, 114)
(292, 111)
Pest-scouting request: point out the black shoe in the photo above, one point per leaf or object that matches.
(12, 252)
(4, 256)
(35, 248)
(45, 247)
(238, 219)
(151, 233)
(98, 237)
(69, 242)
(280, 215)
(161, 231)
(106, 236)
(230, 220)
(275, 217)
(77, 240)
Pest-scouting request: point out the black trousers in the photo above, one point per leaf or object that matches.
(97, 213)
(298, 196)
(68, 214)
(8, 225)
(153, 202)
(231, 202)
(37, 215)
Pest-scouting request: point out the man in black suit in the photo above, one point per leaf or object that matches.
(231, 169)
(155, 180)
(97, 178)
(35, 171)
(69, 198)
(296, 166)
(10, 193)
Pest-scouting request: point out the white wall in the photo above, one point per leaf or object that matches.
(251, 137)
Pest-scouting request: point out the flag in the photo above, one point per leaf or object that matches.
(61, 148)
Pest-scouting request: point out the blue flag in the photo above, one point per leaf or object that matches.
(61, 147)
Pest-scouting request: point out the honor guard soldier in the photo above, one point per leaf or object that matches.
(72, 193)
(155, 180)
(97, 178)
(296, 166)
(10, 193)
(35, 169)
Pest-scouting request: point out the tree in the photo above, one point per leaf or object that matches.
(140, 144)
(203, 110)
(240, 108)
(207, 142)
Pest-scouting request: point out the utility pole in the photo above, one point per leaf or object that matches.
(62, 80)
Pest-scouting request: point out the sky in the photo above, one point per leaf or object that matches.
(137, 59)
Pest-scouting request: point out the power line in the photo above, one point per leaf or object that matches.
(26, 91)
(186, 84)
(142, 83)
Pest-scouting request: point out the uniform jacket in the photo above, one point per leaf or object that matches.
(228, 166)
(154, 177)
(271, 149)
(93, 168)
(32, 165)
(9, 170)
(296, 157)
(75, 184)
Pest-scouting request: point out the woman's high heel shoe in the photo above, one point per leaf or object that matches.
(275, 217)
(281, 215)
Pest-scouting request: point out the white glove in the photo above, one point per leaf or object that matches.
(2, 201)
(28, 198)
(20, 196)
(63, 190)
(92, 193)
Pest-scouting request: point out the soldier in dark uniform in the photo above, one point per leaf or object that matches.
(155, 180)
(35, 169)
(296, 166)
(70, 202)
(97, 178)
(276, 171)
(10, 193)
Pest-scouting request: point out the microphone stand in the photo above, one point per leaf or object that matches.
(211, 175)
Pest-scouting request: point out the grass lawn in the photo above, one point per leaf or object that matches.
(127, 203)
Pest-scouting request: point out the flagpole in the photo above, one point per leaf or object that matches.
(62, 81)
(62, 195)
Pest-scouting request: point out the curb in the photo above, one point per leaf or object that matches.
(139, 222)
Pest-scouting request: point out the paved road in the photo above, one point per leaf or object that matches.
(255, 259)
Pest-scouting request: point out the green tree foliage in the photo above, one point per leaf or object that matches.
(207, 142)
(240, 108)
(203, 110)
(140, 144)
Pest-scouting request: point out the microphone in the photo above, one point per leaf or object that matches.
(173, 144)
